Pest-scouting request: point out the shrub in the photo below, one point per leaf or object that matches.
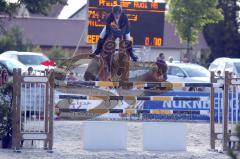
(14, 40)
(57, 54)
(5, 115)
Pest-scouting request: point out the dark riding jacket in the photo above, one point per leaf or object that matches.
(123, 23)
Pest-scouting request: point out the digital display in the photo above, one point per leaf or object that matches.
(146, 20)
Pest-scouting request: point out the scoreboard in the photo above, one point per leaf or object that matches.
(146, 20)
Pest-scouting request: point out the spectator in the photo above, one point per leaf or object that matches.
(71, 77)
(219, 74)
(30, 71)
(185, 60)
(170, 59)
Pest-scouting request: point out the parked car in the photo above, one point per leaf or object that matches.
(187, 73)
(29, 59)
(180, 72)
(220, 65)
(10, 64)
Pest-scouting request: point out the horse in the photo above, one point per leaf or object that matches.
(119, 63)
(112, 66)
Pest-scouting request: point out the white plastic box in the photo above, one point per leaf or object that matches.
(104, 135)
(163, 136)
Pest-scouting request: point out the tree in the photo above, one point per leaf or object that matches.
(57, 54)
(190, 16)
(14, 40)
(33, 6)
(223, 37)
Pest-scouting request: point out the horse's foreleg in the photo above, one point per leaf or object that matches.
(101, 69)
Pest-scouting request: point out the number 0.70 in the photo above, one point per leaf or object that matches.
(155, 41)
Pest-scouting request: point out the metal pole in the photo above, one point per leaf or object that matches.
(19, 137)
(212, 126)
(225, 111)
(46, 115)
(51, 111)
(14, 111)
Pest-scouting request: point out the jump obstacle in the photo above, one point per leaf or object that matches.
(35, 121)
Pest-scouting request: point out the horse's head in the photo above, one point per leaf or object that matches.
(162, 68)
(157, 75)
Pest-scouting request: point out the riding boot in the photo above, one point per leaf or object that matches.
(99, 48)
(132, 55)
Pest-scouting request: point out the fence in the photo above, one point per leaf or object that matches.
(32, 115)
(228, 113)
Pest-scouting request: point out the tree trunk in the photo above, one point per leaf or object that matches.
(189, 55)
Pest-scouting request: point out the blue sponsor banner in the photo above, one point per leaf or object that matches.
(177, 117)
(204, 106)
(180, 105)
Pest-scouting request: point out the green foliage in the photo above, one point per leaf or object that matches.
(5, 110)
(60, 74)
(190, 16)
(35, 49)
(13, 40)
(8, 8)
(224, 38)
(33, 6)
(235, 154)
(204, 58)
(56, 53)
(40, 6)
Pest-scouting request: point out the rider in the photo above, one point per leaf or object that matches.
(118, 17)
